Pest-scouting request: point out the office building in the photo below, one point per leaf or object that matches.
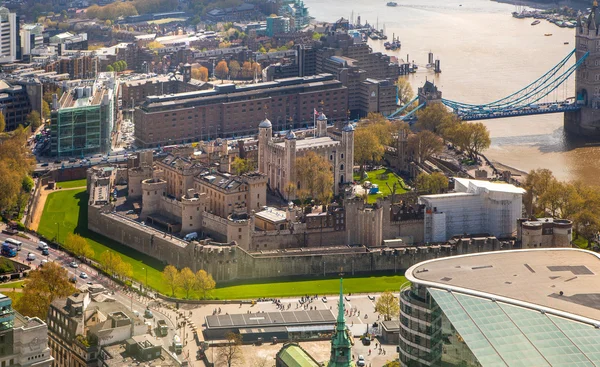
(535, 307)
(139, 348)
(14, 104)
(31, 37)
(475, 207)
(84, 117)
(69, 41)
(136, 90)
(23, 340)
(277, 25)
(81, 324)
(230, 110)
(10, 44)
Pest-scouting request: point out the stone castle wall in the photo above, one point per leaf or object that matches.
(230, 262)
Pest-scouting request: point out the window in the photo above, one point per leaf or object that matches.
(190, 217)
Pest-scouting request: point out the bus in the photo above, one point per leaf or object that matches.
(15, 243)
(8, 250)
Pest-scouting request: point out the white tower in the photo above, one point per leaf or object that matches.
(265, 134)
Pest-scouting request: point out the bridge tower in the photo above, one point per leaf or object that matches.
(429, 94)
(586, 120)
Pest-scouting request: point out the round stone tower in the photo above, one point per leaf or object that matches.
(153, 191)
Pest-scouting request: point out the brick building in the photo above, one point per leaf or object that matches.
(231, 110)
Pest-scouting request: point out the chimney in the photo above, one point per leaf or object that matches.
(54, 101)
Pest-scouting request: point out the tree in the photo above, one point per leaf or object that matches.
(241, 166)
(387, 306)
(154, 45)
(405, 92)
(78, 245)
(314, 174)
(222, 70)
(200, 73)
(43, 286)
(434, 116)
(366, 147)
(45, 110)
(234, 69)
(171, 277)
(34, 120)
(231, 353)
(470, 137)
(424, 144)
(110, 68)
(290, 190)
(2, 123)
(204, 282)
(16, 162)
(247, 70)
(433, 183)
(536, 184)
(124, 270)
(110, 262)
(187, 281)
(317, 36)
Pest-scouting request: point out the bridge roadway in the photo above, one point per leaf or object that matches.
(539, 109)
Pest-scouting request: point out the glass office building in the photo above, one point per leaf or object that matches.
(512, 308)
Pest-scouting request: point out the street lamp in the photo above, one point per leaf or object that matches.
(146, 285)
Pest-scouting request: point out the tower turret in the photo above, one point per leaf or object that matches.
(265, 135)
(321, 125)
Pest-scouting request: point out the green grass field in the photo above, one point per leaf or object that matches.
(384, 190)
(71, 184)
(67, 210)
(304, 287)
(12, 285)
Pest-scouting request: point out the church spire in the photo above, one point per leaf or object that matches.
(341, 341)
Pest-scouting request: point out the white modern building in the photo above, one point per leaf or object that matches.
(23, 340)
(9, 31)
(475, 207)
(31, 37)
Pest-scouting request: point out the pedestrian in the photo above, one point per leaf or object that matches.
(369, 351)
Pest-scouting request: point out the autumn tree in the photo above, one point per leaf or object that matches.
(405, 91)
(434, 116)
(78, 245)
(222, 70)
(34, 120)
(387, 306)
(240, 166)
(110, 261)
(187, 281)
(124, 270)
(470, 137)
(247, 70)
(154, 45)
(45, 110)
(171, 277)
(43, 286)
(204, 282)
(433, 183)
(314, 173)
(234, 69)
(231, 353)
(366, 147)
(16, 162)
(2, 123)
(536, 184)
(424, 144)
(200, 73)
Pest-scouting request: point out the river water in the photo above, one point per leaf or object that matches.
(485, 54)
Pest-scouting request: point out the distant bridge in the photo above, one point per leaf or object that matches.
(521, 103)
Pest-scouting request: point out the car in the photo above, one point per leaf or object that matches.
(324, 299)
(130, 211)
(361, 361)
(83, 275)
(73, 279)
(45, 164)
(58, 161)
(74, 265)
(42, 245)
(366, 340)
(72, 160)
(148, 314)
(45, 252)
(43, 262)
(30, 257)
(554, 105)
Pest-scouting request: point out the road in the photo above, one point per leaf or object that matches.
(129, 299)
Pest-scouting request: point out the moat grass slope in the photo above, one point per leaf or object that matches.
(279, 289)
(384, 190)
(68, 209)
(71, 184)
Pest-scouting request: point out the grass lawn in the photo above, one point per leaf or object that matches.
(71, 184)
(68, 209)
(12, 285)
(375, 178)
(304, 287)
(66, 212)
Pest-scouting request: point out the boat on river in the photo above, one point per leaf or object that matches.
(535, 22)
(392, 3)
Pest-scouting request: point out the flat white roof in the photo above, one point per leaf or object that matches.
(491, 186)
(313, 142)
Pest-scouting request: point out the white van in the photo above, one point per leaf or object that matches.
(42, 245)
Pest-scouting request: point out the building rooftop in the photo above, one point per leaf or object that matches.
(294, 356)
(489, 186)
(534, 307)
(561, 279)
(272, 215)
(317, 317)
(309, 143)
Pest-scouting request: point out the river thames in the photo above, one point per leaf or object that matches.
(485, 55)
